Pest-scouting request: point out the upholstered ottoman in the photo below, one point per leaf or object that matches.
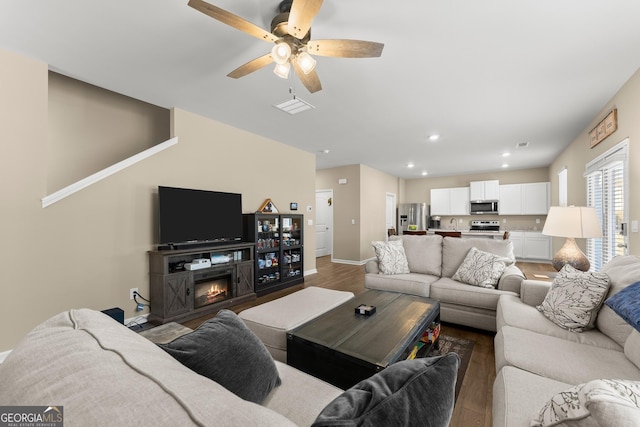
(271, 321)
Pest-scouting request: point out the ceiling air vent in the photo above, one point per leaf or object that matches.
(522, 144)
(294, 106)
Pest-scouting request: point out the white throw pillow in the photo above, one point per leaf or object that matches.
(391, 257)
(596, 403)
(480, 268)
(575, 298)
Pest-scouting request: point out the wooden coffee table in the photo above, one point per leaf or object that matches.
(343, 348)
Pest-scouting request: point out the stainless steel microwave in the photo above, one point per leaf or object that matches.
(484, 208)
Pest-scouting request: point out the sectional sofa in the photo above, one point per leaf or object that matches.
(433, 262)
(592, 376)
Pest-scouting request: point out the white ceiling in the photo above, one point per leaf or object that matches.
(485, 75)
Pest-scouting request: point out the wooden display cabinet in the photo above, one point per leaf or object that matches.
(279, 253)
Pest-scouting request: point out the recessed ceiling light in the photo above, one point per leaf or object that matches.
(410, 165)
(325, 151)
(505, 154)
(434, 137)
(505, 165)
(424, 173)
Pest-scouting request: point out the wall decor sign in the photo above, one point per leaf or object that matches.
(606, 127)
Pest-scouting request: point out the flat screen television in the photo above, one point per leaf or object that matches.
(188, 215)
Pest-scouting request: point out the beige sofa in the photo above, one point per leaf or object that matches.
(432, 262)
(103, 374)
(535, 358)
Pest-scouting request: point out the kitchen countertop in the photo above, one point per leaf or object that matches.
(467, 232)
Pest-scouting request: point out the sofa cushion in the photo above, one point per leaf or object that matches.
(418, 389)
(480, 268)
(424, 253)
(413, 283)
(391, 257)
(450, 291)
(92, 365)
(622, 271)
(632, 348)
(226, 351)
(518, 395)
(597, 403)
(558, 359)
(454, 250)
(626, 304)
(513, 312)
(574, 298)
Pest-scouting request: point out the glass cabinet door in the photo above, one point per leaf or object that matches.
(291, 246)
(268, 249)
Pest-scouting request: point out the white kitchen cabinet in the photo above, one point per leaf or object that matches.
(517, 238)
(440, 198)
(537, 246)
(450, 201)
(484, 190)
(510, 201)
(535, 198)
(524, 199)
(459, 201)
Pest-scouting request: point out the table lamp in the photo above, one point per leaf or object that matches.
(572, 222)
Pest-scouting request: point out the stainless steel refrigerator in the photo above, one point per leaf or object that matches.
(412, 216)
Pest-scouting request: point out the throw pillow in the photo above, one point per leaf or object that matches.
(480, 268)
(626, 304)
(410, 392)
(596, 403)
(225, 350)
(391, 257)
(575, 298)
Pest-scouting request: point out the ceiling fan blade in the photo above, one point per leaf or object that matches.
(232, 20)
(345, 48)
(311, 81)
(251, 66)
(300, 17)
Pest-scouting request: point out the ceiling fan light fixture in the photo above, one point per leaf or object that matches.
(306, 62)
(281, 53)
(282, 70)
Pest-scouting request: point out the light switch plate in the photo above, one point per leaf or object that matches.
(634, 226)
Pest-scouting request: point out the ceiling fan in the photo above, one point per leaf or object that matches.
(291, 33)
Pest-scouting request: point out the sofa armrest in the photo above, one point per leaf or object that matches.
(534, 291)
(511, 279)
(372, 266)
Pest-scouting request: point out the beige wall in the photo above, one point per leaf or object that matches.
(419, 191)
(87, 250)
(363, 199)
(578, 154)
(91, 128)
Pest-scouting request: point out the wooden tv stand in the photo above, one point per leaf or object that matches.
(178, 294)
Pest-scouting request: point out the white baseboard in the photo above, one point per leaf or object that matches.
(309, 272)
(4, 355)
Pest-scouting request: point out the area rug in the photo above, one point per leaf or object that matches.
(165, 333)
(464, 348)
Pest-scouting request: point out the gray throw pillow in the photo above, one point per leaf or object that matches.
(225, 350)
(418, 392)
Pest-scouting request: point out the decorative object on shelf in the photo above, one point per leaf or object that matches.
(268, 207)
(572, 222)
(293, 206)
(606, 127)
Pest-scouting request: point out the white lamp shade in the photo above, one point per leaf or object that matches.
(281, 53)
(306, 62)
(572, 221)
(282, 70)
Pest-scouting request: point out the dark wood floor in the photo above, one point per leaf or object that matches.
(473, 407)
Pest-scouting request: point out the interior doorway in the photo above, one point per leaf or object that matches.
(391, 212)
(324, 222)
